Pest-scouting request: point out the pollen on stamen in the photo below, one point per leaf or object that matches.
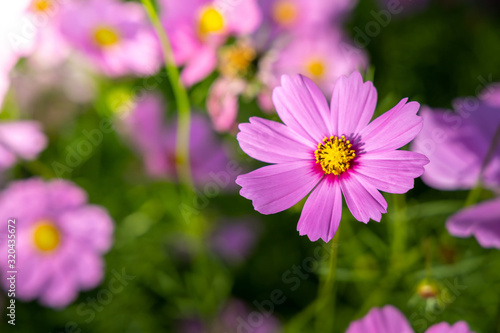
(335, 154)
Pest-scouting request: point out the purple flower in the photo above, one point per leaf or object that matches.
(20, 139)
(457, 144)
(157, 144)
(323, 57)
(481, 221)
(234, 241)
(115, 36)
(332, 152)
(390, 320)
(196, 29)
(60, 240)
(235, 317)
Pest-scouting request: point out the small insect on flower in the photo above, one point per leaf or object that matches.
(330, 152)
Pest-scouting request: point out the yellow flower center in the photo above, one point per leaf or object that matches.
(105, 36)
(45, 236)
(41, 6)
(334, 155)
(285, 12)
(316, 68)
(211, 21)
(236, 59)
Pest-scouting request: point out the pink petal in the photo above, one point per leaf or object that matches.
(385, 320)
(480, 221)
(363, 199)
(353, 104)
(393, 129)
(90, 268)
(62, 289)
(90, 225)
(273, 142)
(303, 107)
(24, 138)
(243, 17)
(277, 187)
(222, 103)
(391, 171)
(458, 327)
(322, 211)
(63, 195)
(199, 66)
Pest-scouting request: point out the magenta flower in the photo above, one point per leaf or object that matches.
(60, 240)
(390, 320)
(20, 140)
(330, 151)
(115, 36)
(196, 29)
(323, 57)
(222, 103)
(481, 221)
(457, 144)
(156, 142)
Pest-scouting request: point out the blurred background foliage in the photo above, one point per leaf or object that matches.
(447, 50)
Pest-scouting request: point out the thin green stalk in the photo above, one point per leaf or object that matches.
(325, 306)
(181, 97)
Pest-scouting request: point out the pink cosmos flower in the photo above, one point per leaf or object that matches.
(323, 57)
(332, 152)
(390, 320)
(196, 29)
(481, 221)
(458, 143)
(156, 142)
(115, 36)
(299, 15)
(20, 139)
(60, 240)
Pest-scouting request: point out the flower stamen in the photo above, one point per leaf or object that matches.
(335, 155)
(45, 236)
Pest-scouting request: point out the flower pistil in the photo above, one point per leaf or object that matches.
(335, 155)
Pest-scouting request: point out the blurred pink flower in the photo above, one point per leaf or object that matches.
(234, 317)
(196, 29)
(390, 320)
(156, 142)
(20, 139)
(457, 144)
(222, 102)
(331, 151)
(116, 36)
(60, 240)
(481, 221)
(298, 16)
(323, 57)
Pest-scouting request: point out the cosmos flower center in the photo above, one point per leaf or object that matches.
(41, 6)
(285, 12)
(105, 36)
(316, 68)
(236, 59)
(334, 155)
(46, 236)
(211, 21)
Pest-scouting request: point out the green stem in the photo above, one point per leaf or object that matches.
(181, 97)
